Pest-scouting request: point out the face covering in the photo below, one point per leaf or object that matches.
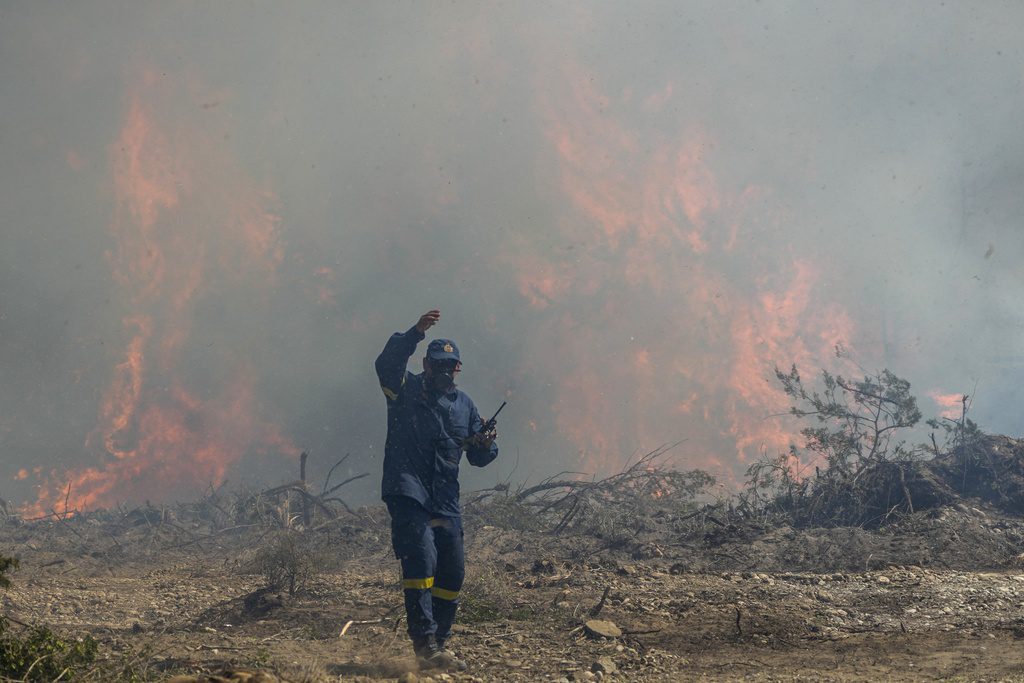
(442, 378)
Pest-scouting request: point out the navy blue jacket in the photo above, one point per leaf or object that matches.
(425, 432)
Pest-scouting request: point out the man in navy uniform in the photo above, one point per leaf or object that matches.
(430, 423)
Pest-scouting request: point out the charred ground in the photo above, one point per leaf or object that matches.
(890, 562)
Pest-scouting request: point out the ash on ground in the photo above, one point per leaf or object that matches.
(640, 576)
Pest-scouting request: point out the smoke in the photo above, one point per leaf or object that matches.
(214, 215)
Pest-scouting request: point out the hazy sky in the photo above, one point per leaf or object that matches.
(214, 214)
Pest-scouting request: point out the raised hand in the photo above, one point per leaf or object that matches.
(428, 320)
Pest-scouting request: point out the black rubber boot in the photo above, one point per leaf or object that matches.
(459, 664)
(430, 657)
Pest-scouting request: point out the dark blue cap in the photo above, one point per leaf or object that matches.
(443, 349)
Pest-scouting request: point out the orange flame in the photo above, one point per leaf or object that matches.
(950, 405)
(184, 215)
(661, 231)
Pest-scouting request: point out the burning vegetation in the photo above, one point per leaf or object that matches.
(211, 212)
(648, 220)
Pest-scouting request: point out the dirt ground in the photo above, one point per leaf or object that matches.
(909, 604)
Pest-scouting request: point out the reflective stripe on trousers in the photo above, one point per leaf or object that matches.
(432, 556)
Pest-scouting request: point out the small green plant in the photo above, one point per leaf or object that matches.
(860, 464)
(36, 653)
(488, 596)
(961, 436)
(859, 419)
(39, 654)
(131, 666)
(480, 610)
(261, 658)
(290, 562)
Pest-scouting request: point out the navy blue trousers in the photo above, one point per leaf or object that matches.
(430, 549)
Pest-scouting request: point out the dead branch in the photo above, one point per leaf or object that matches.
(215, 648)
(645, 468)
(596, 609)
(353, 622)
(319, 501)
(549, 484)
(567, 517)
(327, 481)
(66, 497)
(498, 636)
(199, 539)
(307, 510)
(15, 621)
(316, 501)
(347, 481)
(483, 494)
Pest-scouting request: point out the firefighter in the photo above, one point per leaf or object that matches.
(430, 423)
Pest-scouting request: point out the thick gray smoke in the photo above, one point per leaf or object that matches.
(627, 213)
